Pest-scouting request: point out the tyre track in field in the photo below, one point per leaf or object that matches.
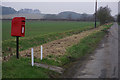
(58, 47)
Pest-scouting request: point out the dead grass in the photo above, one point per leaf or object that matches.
(58, 47)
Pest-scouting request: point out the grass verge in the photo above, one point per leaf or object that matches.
(85, 46)
(21, 68)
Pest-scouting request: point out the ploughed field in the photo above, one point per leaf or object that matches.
(40, 32)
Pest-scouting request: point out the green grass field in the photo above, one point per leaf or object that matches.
(37, 28)
(22, 68)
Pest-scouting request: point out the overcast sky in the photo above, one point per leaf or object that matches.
(57, 7)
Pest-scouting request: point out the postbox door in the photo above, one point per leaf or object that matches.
(18, 27)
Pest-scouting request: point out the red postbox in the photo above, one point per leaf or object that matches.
(18, 27)
(18, 30)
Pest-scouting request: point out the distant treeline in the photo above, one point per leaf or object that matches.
(50, 20)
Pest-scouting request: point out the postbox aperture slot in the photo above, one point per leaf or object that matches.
(23, 21)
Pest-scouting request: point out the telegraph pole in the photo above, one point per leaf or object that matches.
(95, 12)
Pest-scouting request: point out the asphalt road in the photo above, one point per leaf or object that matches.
(119, 52)
(103, 63)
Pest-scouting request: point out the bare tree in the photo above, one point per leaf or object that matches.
(104, 15)
(118, 18)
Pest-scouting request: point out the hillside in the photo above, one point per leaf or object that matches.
(8, 10)
(9, 13)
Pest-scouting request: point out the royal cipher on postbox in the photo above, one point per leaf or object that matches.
(18, 26)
